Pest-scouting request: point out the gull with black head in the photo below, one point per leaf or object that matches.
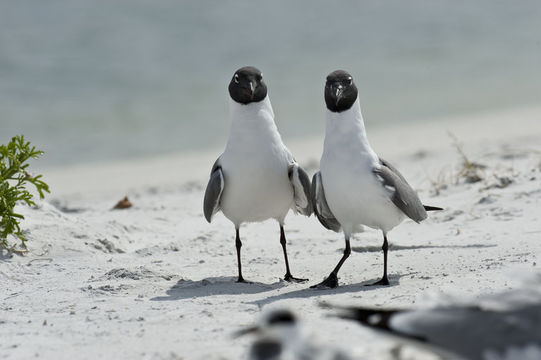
(355, 187)
(256, 178)
(281, 336)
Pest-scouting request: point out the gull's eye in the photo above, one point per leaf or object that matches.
(236, 78)
(350, 80)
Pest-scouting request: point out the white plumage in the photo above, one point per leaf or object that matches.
(255, 165)
(354, 194)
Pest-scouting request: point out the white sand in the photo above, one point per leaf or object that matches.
(157, 281)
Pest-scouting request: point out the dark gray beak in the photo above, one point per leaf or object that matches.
(246, 331)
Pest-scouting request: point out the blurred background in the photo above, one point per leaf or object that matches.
(94, 81)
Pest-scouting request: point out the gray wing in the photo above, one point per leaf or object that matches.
(471, 331)
(321, 208)
(215, 187)
(468, 330)
(301, 189)
(403, 196)
(383, 320)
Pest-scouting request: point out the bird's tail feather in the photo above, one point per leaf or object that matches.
(432, 208)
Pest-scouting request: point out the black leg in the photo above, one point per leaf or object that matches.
(384, 280)
(332, 280)
(238, 244)
(288, 276)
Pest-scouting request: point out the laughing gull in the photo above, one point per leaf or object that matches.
(279, 336)
(354, 186)
(256, 178)
(468, 332)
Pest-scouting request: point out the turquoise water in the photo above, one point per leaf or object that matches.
(103, 80)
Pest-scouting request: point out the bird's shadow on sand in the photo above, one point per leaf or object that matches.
(223, 285)
(227, 285)
(342, 289)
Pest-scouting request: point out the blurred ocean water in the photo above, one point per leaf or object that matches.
(105, 80)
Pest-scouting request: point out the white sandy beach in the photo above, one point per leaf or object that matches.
(156, 281)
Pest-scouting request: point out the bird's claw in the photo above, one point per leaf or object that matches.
(291, 278)
(384, 281)
(330, 282)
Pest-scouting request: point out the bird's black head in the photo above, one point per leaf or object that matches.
(340, 91)
(247, 85)
(281, 317)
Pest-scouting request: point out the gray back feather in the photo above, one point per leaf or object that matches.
(468, 331)
(475, 330)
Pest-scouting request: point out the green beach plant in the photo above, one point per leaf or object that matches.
(14, 179)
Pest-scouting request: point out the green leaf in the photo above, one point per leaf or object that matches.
(14, 178)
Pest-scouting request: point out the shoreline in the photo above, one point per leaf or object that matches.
(390, 142)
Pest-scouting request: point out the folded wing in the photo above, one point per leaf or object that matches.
(301, 189)
(213, 194)
(403, 196)
(321, 208)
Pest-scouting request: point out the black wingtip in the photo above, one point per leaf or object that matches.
(374, 318)
(379, 319)
(432, 208)
(207, 213)
(207, 209)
